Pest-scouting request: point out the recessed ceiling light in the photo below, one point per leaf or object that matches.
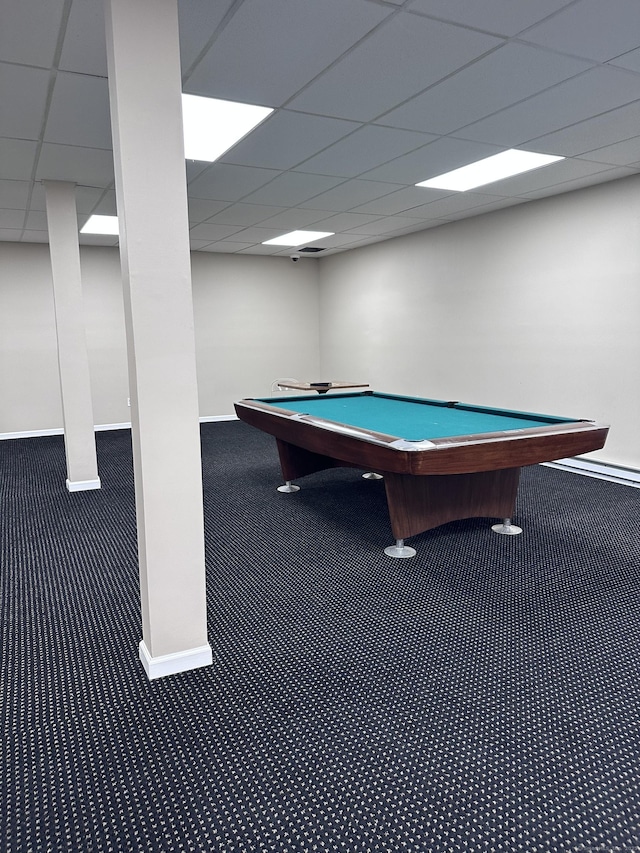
(98, 224)
(495, 168)
(212, 126)
(297, 238)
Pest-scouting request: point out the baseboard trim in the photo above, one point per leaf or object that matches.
(598, 470)
(213, 418)
(30, 433)
(83, 485)
(172, 664)
(38, 433)
(105, 427)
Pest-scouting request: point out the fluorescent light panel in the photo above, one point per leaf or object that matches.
(211, 126)
(495, 168)
(297, 238)
(98, 224)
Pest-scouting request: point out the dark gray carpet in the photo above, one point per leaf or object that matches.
(483, 696)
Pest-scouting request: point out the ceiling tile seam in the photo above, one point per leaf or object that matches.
(620, 55)
(53, 71)
(453, 133)
(359, 126)
(468, 27)
(379, 120)
(595, 63)
(297, 167)
(230, 13)
(394, 13)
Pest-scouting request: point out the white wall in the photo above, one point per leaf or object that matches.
(29, 379)
(256, 320)
(534, 307)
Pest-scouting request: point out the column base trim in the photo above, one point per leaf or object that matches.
(83, 485)
(178, 662)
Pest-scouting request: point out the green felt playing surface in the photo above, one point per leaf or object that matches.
(411, 418)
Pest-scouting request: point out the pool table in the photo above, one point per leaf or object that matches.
(441, 460)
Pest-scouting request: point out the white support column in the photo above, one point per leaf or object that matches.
(73, 361)
(146, 117)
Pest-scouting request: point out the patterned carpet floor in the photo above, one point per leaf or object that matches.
(482, 696)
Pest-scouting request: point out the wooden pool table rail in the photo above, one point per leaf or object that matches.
(332, 444)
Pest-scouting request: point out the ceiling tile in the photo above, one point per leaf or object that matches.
(224, 182)
(434, 159)
(79, 111)
(502, 17)
(589, 180)
(293, 219)
(506, 76)
(255, 234)
(386, 225)
(606, 129)
(211, 231)
(401, 201)
(84, 49)
(88, 166)
(292, 188)
(283, 36)
(258, 249)
(346, 239)
(349, 195)
(198, 22)
(37, 221)
(457, 202)
(106, 204)
(34, 236)
(201, 209)
(365, 149)
(286, 139)
(585, 29)
(29, 31)
(630, 60)
(223, 246)
(618, 154)
(344, 222)
(11, 235)
(370, 80)
(245, 214)
(20, 86)
(11, 218)
(479, 210)
(14, 194)
(594, 91)
(17, 158)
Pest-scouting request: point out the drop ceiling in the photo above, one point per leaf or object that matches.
(369, 97)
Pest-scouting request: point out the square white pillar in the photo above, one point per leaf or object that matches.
(146, 117)
(73, 360)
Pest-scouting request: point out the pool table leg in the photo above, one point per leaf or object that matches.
(506, 528)
(420, 503)
(297, 462)
(400, 551)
